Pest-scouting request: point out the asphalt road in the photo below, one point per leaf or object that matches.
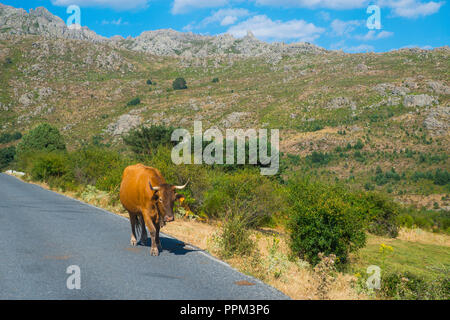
(42, 233)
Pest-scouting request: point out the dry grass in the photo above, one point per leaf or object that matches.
(421, 236)
(297, 279)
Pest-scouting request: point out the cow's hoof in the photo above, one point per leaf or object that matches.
(154, 251)
(133, 242)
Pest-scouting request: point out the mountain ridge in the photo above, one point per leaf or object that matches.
(162, 42)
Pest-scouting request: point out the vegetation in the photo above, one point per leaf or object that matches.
(365, 160)
(44, 137)
(134, 102)
(179, 84)
(7, 156)
(324, 220)
(8, 137)
(145, 140)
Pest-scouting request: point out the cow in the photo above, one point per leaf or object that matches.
(149, 200)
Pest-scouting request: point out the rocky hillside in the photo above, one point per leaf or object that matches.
(160, 42)
(374, 121)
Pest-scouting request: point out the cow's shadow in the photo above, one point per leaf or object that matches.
(171, 245)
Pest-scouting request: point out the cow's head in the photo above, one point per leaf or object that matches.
(165, 196)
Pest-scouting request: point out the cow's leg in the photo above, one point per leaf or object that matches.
(144, 237)
(133, 240)
(151, 227)
(158, 241)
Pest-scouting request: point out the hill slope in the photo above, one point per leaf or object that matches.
(375, 121)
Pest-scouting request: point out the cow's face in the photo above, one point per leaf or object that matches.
(165, 196)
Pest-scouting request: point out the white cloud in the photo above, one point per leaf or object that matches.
(329, 4)
(266, 29)
(114, 4)
(324, 15)
(373, 35)
(412, 8)
(341, 28)
(117, 22)
(184, 6)
(402, 8)
(225, 16)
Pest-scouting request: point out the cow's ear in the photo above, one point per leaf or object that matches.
(179, 197)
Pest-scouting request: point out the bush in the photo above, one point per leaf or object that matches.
(134, 102)
(52, 167)
(408, 286)
(42, 138)
(323, 219)
(234, 237)
(215, 80)
(319, 158)
(8, 137)
(145, 140)
(382, 214)
(98, 166)
(149, 82)
(179, 84)
(244, 192)
(7, 156)
(425, 219)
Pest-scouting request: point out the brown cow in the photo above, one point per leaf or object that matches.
(145, 195)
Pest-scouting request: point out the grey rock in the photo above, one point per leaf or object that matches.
(124, 124)
(361, 68)
(420, 100)
(234, 118)
(438, 121)
(438, 87)
(391, 89)
(341, 102)
(26, 99)
(165, 42)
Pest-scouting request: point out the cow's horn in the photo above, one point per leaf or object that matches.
(153, 188)
(181, 187)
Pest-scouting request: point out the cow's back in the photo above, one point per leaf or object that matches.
(135, 192)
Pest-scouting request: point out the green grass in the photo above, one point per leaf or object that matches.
(425, 260)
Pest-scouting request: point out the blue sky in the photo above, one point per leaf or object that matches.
(332, 24)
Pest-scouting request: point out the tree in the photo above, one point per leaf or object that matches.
(179, 84)
(42, 138)
(145, 140)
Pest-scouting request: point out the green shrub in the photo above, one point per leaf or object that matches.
(179, 84)
(234, 237)
(8, 137)
(425, 219)
(145, 140)
(382, 214)
(54, 168)
(215, 80)
(149, 82)
(134, 102)
(369, 187)
(244, 192)
(319, 158)
(323, 219)
(98, 166)
(7, 156)
(42, 138)
(408, 286)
